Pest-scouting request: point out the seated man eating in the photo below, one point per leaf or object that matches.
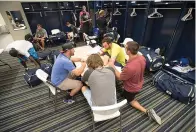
(23, 50)
(114, 51)
(64, 72)
(101, 81)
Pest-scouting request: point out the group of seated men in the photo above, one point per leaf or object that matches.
(98, 83)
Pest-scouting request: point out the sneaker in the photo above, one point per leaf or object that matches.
(68, 101)
(152, 115)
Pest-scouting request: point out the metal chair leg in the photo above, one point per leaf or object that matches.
(55, 100)
(120, 123)
(49, 92)
(93, 122)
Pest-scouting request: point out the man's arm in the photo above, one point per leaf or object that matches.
(124, 75)
(79, 71)
(35, 62)
(75, 59)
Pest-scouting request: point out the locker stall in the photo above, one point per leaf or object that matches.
(66, 15)
(183, 41)
(35, 18)
(159, 30)
(136, 18)
(52, 19)
(119, 17)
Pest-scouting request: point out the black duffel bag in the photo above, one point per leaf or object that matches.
(53, 56)
(174, 86)
(43, 55)
(154, 61)
(30, 75)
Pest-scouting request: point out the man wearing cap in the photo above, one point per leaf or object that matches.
(114, 52)
(64, 72)
(133, 80)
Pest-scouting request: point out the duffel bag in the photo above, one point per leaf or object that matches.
(174, 86)
(154, 61)
(47, 68)
(43, 55)
(53, 56)
(31, 79)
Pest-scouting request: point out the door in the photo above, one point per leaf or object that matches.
(33, 19)
(52, 19)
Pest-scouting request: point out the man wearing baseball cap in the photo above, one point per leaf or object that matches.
(64, 72)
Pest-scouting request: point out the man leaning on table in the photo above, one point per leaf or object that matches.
(113, 51)
(64, 72)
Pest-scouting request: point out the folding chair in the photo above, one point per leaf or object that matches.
(90, 40)
(52, 89)
(101, 113)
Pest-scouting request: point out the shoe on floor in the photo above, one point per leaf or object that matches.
(152, 115)
(68, 101)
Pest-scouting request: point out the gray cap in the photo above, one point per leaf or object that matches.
(68, 46)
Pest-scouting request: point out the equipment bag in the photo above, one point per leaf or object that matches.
(53, 56)
(30, 78)
(43, 55)
(175, 86)
(153, 61)
(47, 68)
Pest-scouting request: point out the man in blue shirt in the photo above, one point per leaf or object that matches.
(64, 72)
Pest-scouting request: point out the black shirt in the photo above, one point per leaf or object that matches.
(101, 23)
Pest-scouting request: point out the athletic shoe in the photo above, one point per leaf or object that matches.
(68, 101)
(152, 115)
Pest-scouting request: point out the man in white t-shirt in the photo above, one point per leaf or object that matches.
(23, 50)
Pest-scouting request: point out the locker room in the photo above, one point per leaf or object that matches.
(97, 65)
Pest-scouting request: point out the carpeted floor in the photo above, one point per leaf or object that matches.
(30, 109)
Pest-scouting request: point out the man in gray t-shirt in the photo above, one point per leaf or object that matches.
(41, 35)
(101, 81)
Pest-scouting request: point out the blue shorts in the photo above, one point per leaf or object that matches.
(87, 95)
(32, 53)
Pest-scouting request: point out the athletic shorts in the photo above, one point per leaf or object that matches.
(129, 96)
(32, 53)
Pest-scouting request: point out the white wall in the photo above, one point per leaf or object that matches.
(2, 22)
(14, 6)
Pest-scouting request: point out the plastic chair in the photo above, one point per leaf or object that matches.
(52, 89)
(90, 40)
(101, 113)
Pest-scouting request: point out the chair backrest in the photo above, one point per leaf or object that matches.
(86, 37)
(55, 31)
(101, 113)
(43, 77)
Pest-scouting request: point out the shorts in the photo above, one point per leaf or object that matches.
(87, 95)
(70, 84)
(129, 96)
(32, 53)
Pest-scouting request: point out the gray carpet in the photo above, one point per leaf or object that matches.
(30, 109)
